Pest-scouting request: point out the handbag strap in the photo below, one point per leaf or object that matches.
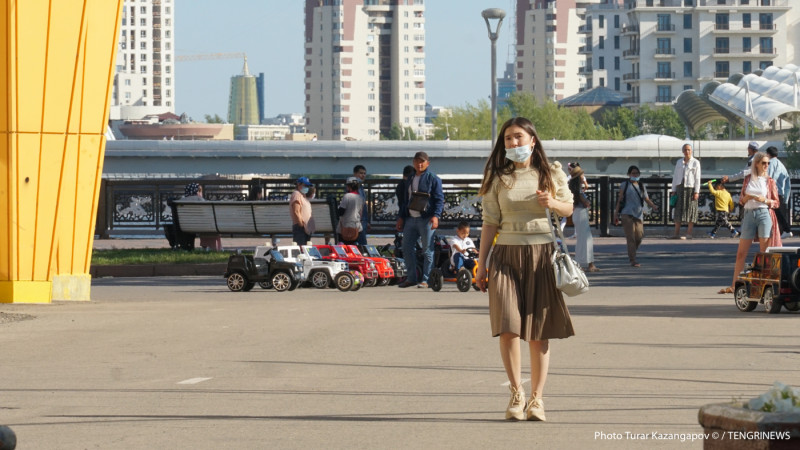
(558, 236)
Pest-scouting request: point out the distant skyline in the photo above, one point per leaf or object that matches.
(270, 32)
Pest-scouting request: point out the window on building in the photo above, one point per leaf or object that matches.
(722, 45)
(143, 57)
(144, 81)
(143, 34)
(765, 43)
(616, 21)
(747, 67)
(168, 81)
(144, 92)
(746, 20)
(616, 42)
(765, 21)
(616, 84)
(663, 46)
(616, 63)
(601, 63)
(602, 43)
(142, 45)
(169, 93)
(687, 21)
(601, 21)
(687, 45)
(664, 94)
(602, 82)
(664, 70)
(127, 96)
(664, 22)
(722, 69)
(687, 69)
(747, 44)
(722, 21)
(143, 69)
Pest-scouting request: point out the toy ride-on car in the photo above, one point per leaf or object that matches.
(463, 277)
(398, 264)
(319, 272)
(244, 271)
(773, 279)
(382, 265)
(356, 263)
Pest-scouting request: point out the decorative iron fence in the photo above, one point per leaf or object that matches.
(131, 207)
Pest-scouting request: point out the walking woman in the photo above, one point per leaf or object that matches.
(629, 211)
(524, 303)
(759, 194)
(686, 185)
(584, 247)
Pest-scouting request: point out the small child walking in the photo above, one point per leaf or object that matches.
(723, 204)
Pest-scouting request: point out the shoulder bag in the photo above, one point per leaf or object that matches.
(570, 279)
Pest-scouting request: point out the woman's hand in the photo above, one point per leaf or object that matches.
(696, 196)
(544, 198)
(480, 277)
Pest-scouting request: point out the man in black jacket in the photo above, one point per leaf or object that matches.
(421, 202)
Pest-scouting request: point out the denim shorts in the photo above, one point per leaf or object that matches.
(756, 220)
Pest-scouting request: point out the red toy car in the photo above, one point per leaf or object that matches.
(384, 268)
(359, 263)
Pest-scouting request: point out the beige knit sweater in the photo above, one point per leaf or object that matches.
(515, 211)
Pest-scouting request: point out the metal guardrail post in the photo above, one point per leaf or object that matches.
(605, 208)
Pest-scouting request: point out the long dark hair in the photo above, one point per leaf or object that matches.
(498, 165)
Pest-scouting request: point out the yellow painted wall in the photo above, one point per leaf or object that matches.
(56, 70)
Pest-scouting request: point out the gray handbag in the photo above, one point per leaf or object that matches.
(570, 278)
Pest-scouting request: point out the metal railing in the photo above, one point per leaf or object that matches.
(139, 206)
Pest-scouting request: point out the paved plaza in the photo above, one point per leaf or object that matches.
(184, 363)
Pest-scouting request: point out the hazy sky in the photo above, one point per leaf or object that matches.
(458, 52)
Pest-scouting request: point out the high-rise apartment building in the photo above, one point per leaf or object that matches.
(365, 67)
(144, 83)
(674, 45)
(668, 46)
(547, 42)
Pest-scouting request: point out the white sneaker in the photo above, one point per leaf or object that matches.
(535, 409)
(516, 406)
(787, 234)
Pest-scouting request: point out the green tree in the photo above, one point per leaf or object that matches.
(623, 120)
(214, 119)
(466, 123)
(792, 147)
(662, 120)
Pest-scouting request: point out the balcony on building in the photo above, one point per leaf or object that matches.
(753, 3)
(665, 75)
(585, 70)
(630, 29)
(664, 99)
(664, 52)
(585, 50)
(632, 76)
(723, 75)
(585, 29)
(630, 54)
(665, 28)
(631, 4)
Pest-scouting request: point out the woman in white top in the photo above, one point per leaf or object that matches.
(759, 194)
(686, 185)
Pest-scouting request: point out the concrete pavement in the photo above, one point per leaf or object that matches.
(184, 363)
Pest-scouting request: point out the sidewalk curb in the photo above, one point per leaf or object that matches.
(157, 270)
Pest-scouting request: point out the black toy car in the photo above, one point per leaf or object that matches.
(773, 279)
(244, 271)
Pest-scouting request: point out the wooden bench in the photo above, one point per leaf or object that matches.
(249, 218)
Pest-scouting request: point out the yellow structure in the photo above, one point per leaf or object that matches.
(57, 70)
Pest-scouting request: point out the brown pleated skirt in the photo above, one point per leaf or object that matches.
(523, 297)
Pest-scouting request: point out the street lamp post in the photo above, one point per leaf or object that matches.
(489, 15)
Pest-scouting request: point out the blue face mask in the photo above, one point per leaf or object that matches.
(635, 178)
(519, 154)
(304, 190)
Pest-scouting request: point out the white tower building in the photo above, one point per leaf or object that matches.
(144, 83)
(365, 67)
